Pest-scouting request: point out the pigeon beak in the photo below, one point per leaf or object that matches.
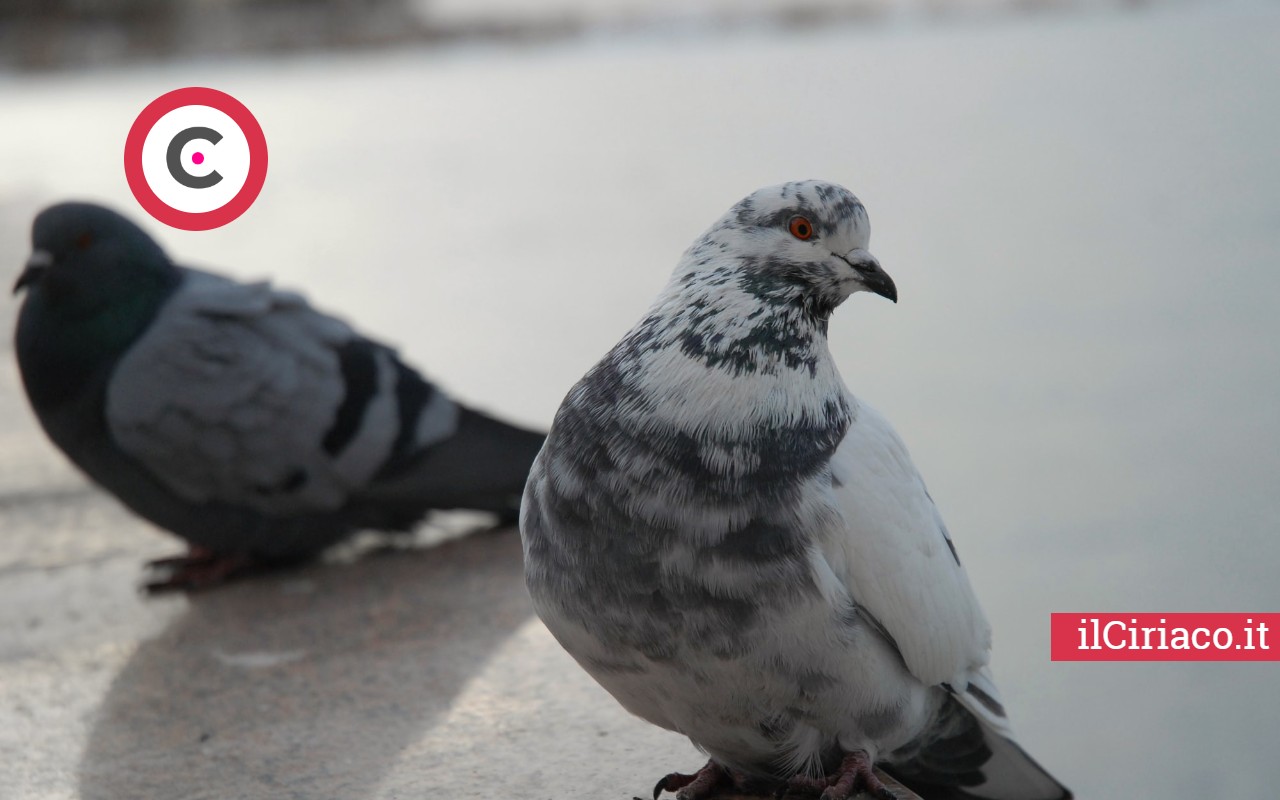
(37, 263)
(870, 274)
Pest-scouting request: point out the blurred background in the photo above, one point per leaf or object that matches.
(1079, 201)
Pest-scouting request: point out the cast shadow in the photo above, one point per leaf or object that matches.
(304, 684)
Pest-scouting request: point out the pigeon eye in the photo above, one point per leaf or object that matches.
(84, 240)
(801, 228)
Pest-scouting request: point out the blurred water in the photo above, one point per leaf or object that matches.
(75, 34)
(1081, 213)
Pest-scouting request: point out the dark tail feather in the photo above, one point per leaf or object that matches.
(971, 761)
(483, 466)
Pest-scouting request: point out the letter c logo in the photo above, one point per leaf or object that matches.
(174, 157)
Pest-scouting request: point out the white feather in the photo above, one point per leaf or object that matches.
(893, 556)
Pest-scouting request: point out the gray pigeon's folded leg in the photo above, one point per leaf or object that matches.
(200, 568)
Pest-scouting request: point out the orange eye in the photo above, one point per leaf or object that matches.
(84, 240)
(801, 228)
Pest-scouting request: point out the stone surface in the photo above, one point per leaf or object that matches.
(397, 675)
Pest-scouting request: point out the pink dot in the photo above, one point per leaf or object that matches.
(197, 158)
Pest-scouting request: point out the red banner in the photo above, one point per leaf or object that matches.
(1165, 637)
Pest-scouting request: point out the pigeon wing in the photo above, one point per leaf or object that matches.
(902, 571)
(243, 394)
(894, 556)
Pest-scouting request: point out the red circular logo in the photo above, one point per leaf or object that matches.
(195, 158)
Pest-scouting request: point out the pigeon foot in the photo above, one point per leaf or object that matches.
(855, 774)
(199, 568)
(701, 785)
(803, 785)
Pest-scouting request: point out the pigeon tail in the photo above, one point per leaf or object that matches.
(482, 466)
(967, 758)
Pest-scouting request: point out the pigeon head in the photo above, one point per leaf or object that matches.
(86, 258)
(803, 243)
(93, 283)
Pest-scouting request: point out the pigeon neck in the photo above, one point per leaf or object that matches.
(733, 330)
(744, 404)
(62, 348)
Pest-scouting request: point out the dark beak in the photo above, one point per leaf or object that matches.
(872, 276)
(37, 263)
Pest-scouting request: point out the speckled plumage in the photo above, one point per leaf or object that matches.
(741, 551)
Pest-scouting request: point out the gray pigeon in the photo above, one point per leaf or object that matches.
(741, 551)
(235, 415)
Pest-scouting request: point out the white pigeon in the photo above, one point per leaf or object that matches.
(740, 550)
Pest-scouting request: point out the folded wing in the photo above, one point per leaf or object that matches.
(246, 395)
(897, 560)
(898, 563)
